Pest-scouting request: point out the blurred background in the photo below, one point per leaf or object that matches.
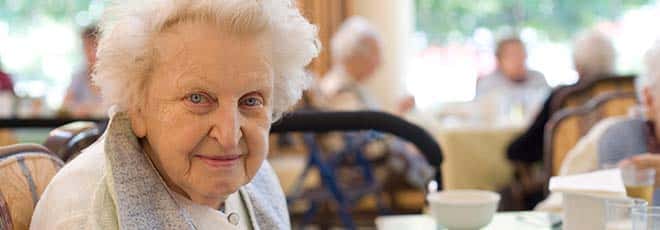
(430, 57)
(435, 49)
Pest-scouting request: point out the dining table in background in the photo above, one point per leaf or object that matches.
(474, 155)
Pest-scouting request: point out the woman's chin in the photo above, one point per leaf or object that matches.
(224, 188)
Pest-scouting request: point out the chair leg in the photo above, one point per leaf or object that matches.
(309, 214)
(345, 215)
(330, 182)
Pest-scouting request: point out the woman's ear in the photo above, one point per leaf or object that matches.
(138, 122)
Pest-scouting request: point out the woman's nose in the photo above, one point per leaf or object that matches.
(226, 128)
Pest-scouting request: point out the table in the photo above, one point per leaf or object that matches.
(504, 220)
(475, 156)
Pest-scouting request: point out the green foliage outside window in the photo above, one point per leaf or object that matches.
(558, 19)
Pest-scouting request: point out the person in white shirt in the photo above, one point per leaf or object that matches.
(512, 83)
(512, 77)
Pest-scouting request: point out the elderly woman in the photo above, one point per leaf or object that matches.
(195, 87)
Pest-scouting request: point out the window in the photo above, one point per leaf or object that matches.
(455, 39)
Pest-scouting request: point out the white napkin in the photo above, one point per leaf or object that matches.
(584, 197)
(604, 182)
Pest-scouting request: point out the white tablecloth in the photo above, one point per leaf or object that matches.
(501, 221)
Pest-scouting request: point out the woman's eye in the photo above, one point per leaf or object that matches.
(198, 98)
(252, 101)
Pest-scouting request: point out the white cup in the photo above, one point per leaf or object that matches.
(463, 209)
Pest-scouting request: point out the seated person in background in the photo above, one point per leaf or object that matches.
(195, 87)
(512, 77)
(82, 98)
(593, 56)
(356, 55)
(615, 139)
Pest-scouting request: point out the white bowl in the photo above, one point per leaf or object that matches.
(463, 209)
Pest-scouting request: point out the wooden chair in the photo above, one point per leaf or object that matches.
(580, 94)
(69, 140)
(7, 137)
(567, 126)
(5, 216)
(531, 179)
(26, 170)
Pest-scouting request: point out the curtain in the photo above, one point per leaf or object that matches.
(327, 15)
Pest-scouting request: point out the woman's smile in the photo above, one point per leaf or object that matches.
(220, 161)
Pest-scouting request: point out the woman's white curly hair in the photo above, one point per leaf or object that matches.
(126, 54)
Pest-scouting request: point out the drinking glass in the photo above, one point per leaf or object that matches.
(639, 183)
(618, 212)
(646, 218)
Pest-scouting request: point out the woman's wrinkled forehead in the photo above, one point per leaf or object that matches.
(199, 48)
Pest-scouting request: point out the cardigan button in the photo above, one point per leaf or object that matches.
(233, 218)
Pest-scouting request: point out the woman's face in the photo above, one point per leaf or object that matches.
(207, 110)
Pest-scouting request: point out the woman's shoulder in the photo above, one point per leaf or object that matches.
(88, 167)
(69, 197)
(267, 200)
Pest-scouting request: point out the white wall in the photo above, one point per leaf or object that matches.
(394, 20)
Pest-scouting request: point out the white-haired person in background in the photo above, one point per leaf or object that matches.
(594, 57)
(195, 86)
(356, 56)
(356, 50)
(620, 140)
